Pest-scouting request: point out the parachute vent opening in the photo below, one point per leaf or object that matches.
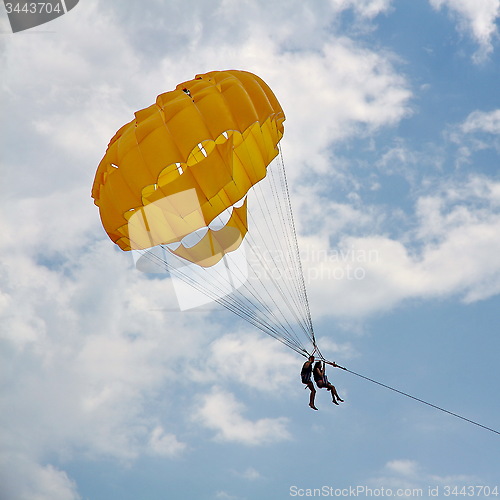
(203, 150)
(221, 220)
(179, 168)
(114, 166)
(173, 246)
(193, 238)
(240, 203)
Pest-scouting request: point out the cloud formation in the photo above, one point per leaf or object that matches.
(482, 121)
(478, 19)
(451, 250)
(412, 478)
(23, 479)
(246, 358)
(221, 412)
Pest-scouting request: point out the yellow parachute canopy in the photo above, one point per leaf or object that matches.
(172, 188)
(178, 174)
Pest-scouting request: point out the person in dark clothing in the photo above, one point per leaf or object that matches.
(305, 375)
(322, 381)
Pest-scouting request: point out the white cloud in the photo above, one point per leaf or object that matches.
(224, 495)
(327, 218)
(221, 412)
(333, 350)
(414, 480)
(480, 131)
(249, 359)
(339, 91)
(407, 468)
(251, 474)
(365, 8)
(22, 479)
(165, 444)
(400, 160)
(453, 250)
(477, 19)
(84, 347)
(482, 121)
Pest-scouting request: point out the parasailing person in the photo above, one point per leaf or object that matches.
(305, 376)
(322, 382)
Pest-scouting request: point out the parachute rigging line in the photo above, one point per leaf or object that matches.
(277, 305)
(295, 245)
(420, 400)
(278, 218)
(239, 304)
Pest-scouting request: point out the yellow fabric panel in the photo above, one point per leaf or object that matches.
(160, 222)
(175, 190)
(254, 139)
(157, 150)
(215, 171)
(271, 136)
(126, 142)
(211, 103)
(188, 130)
(123, 243)
(119, 193)
(258, 97)
(181, 205)
(214, 143)
(147, 120)
(237, 99)
(239, 218)
(142, 116)
(172, 102)
(134, 167)
(253, 159)
(112, 218)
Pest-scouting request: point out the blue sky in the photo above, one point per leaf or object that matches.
(391, 145)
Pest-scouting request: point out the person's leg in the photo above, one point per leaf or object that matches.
(335, 396)
(312, 395)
